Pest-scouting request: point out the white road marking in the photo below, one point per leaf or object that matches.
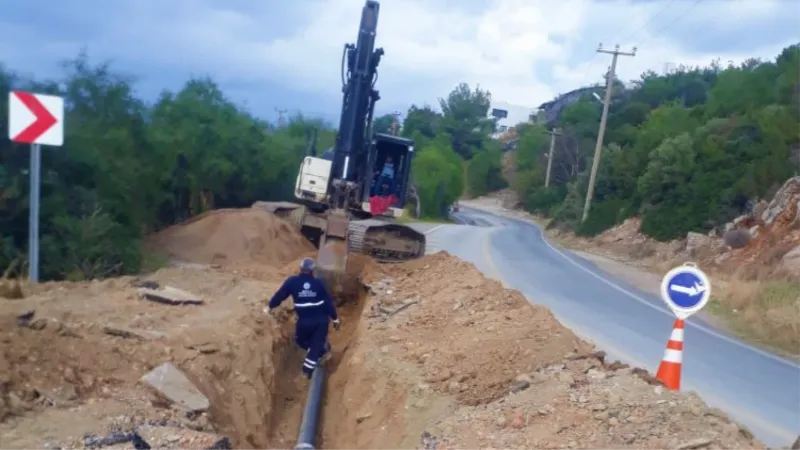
(641, 300)
(775, 430)
(435, 228)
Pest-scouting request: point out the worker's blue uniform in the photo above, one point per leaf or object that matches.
(387, 178)
(314, 308)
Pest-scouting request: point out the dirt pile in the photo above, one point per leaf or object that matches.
(232, 236)
(445, 358)
(72, 355)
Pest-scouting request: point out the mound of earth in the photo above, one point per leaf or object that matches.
(73, 354)
(474, 365)
(232, 236)
(434, 356)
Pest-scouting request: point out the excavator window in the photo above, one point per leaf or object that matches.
(389, 169)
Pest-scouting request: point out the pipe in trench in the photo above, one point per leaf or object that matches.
(308, 427)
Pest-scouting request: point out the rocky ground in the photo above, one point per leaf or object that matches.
(510, 376)
(433, 355)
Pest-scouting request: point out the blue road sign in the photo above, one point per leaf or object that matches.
(686, 290)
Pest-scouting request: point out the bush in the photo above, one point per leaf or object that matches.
(543, 200)
(603, 216)
(439, 178)
(485, 173)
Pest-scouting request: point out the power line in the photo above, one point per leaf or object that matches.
(652, 18)
(671, 22)
(658, 13)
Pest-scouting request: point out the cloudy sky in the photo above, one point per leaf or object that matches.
(285, 54)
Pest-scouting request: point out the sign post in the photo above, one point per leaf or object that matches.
(686, 290)
(35, 119)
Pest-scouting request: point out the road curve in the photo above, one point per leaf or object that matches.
(754, 387)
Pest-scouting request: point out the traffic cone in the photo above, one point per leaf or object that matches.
(669, 372)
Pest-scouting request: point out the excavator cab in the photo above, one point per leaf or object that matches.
(389, 174)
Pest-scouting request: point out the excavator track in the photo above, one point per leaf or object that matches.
(384, 241)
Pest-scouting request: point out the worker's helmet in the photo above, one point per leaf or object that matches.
(307, 265)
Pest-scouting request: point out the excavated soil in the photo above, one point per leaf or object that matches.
(431, 355)
(445, 358)
(73, 369)
(232, 236)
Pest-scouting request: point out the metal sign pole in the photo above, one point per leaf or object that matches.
(33, 224)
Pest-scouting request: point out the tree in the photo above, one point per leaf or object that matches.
(383, 124)
(128, 168)
(438, 175)
(465, 117)
(685, 151)
(485, 173)
(422, 122)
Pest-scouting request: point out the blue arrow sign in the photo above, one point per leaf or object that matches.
(686, 290)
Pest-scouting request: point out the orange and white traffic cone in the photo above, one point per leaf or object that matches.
(669, 372)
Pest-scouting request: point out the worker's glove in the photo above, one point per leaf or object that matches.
(336, 324)
(269, 311)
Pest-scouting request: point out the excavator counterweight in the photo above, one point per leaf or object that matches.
(351, 196)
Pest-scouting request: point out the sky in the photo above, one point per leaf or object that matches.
(272, 55)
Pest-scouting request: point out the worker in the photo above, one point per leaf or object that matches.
(373, 189)
(314, 308)
(387, 176)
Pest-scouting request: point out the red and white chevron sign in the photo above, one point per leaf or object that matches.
(35, 118)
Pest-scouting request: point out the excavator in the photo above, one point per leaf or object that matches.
(344, 204)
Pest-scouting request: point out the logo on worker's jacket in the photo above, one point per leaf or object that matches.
(307, 292)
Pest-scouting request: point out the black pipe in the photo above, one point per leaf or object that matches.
(308, 427)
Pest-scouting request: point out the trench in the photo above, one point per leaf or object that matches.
(292, 389)
(268, 413)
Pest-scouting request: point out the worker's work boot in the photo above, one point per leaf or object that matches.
(327, 355)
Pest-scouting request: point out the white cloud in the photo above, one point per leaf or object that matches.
(508, 47)
(525, 52)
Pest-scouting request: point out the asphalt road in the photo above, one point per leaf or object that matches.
(754, 387)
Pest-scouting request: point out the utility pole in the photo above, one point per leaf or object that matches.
(395, 123)
(553, 135)
(601, 134)
(280, 112)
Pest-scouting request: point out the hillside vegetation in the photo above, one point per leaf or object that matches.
(686, 151)
(456, 135)
(129, 167)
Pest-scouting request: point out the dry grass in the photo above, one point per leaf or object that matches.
(755, 301)
(765, 310)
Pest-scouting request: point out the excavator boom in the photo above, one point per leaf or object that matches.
(348, 206)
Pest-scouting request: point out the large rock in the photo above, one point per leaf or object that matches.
(150, 435)
(169, 295)
(788, 194)
(696, 241)
(791, 261)
(173, 384)
(737, 238)
(758, 210)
